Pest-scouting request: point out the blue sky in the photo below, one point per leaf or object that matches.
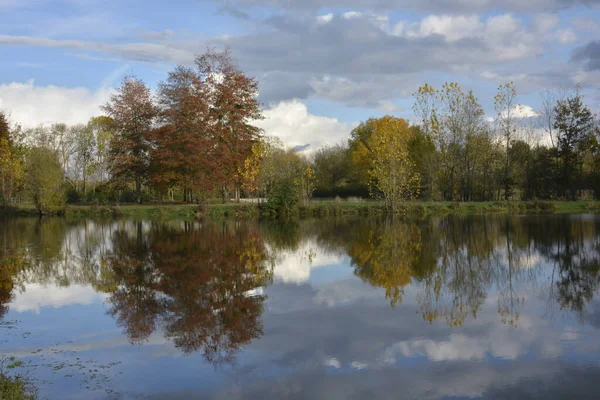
(323, 65)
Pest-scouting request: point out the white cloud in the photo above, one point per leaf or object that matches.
(358, 365)
(323, 19)
(31, 105)
(352, 14)
(332, 362)
(520, 111)
(451, 27)
(295, 126)
(504, 35)
(566, 36)
(35, 296)
(295, 266)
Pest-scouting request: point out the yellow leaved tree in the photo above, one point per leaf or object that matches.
(394, 173)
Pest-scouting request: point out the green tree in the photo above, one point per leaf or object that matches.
(44, 180)
(574, 124)
(333, 168)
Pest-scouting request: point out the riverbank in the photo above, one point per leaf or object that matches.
(320, 208)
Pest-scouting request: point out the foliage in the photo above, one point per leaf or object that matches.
(574, 125)
(133, 113)
(394, 172)
(44, 180)
(290, 181)
(11, 169)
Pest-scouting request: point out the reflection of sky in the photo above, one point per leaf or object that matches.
(327, 335)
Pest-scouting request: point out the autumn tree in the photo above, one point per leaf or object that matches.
(394, 172)
(133, 112)
(253, 166)
(185, 147)
(232, 97)
(360, 148)
(11, 170)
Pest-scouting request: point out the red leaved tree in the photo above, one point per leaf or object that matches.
(233, 105)
(133, 112)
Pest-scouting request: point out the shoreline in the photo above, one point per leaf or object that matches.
(317, 208)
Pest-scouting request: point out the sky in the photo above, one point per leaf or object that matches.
(322, 65)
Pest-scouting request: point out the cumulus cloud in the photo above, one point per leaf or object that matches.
(29, 104)
(359, 58)
(295, 126)
(35, 297)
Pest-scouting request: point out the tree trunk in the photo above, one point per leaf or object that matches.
(138, 189)
(224, 194)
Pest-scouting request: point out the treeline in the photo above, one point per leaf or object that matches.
(455, 154)
(191, 141)
(194, 140)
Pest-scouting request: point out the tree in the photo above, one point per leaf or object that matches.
(423, 152)
(232, 97)
(394, 172)
(574, 124)
(289, 181)
(133, 113)
(333, 169)
(44, 180)
(360, 149)
(85, 144)
(185, 151)
(102, 128)
(10, 163)
(506, 105)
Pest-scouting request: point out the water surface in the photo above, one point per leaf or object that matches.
(433, 308)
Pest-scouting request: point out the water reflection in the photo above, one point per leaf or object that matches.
(201, 283)
(203, 286)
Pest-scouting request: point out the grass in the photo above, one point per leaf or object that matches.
(321, 208)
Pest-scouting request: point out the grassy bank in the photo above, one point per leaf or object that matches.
(322, 208)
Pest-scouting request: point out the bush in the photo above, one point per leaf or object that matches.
(44, 180)
(283, 198)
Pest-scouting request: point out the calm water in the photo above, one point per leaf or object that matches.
(435, 308)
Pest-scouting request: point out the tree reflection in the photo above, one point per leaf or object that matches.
(12, 261)
(456, 262)
(385, 256)
(201, 284)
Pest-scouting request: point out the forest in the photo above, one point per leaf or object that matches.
(194, 140)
